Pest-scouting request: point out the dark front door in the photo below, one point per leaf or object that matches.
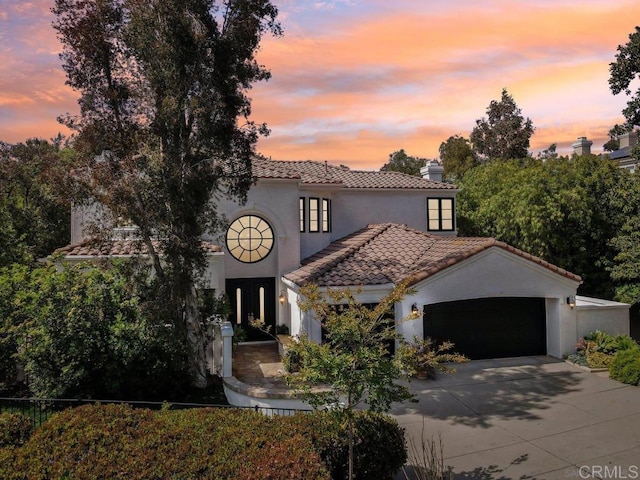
(252, 299)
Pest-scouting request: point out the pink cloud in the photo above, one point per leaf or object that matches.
(354, 82)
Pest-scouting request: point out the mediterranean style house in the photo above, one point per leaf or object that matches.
(307, 221)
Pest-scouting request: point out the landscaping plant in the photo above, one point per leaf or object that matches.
(106, 442)
(424, 357)
(353, 366)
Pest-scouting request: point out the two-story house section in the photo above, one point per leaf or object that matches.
(296, 209)
(308, 221)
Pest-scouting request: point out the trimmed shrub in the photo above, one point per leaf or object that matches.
(15, 429)
(626, 366)
(118, 442)
(599, 359)
(380, 448)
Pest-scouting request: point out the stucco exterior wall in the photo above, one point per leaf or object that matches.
(497, 273)
(595, 314)
(277, 202)
(81, 218)
(355, 209)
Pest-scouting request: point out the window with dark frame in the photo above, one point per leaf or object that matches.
(326, 215)
(314, 214)
(440, 215)
(303, 219)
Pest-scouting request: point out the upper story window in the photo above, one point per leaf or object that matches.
(440, 214)
(326, 215)
(314, 214)
(250, 239)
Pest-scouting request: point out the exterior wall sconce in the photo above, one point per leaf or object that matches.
(571, 301)
(282, 298)
(415, 313)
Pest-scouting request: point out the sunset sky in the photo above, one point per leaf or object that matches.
(355, 80)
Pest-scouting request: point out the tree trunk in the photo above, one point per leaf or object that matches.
(195, 339)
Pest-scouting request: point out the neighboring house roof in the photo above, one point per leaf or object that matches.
(314, 173)
(117, 248)
(621, 153)
(389, 253)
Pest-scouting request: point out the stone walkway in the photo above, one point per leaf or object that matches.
(258, 364)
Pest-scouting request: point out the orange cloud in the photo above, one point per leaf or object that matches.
(355, 81)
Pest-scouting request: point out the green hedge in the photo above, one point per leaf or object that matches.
(626, 366)
(379, 447)
(15, 429)
(118, 442)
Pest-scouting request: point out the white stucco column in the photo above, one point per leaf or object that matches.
(226, 331)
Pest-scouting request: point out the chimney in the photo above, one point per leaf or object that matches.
(582, 146)
(432, 171)
(629, 139)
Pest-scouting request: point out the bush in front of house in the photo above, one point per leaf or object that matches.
(87, 331)
(597, 349)
(379, 445)
(119, 442)
(626, 366)
(15, 429)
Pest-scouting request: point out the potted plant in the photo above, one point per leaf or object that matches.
(422, 358)
(239, 335)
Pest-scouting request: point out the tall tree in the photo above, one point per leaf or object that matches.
(164, 123)
(623, 72)
(504, 133)
(399, 161)
(457, 157)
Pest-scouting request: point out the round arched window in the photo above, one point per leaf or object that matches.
(249, 239)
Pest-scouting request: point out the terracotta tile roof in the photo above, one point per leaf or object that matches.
(390, 253)
(114, 248)
(310, 172)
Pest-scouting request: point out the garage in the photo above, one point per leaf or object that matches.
(490, 327)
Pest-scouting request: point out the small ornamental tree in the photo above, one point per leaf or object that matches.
(353, 367)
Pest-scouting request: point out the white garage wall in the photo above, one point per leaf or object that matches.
(595, 314)
(498, 273)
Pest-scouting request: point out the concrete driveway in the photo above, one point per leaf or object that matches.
(528, 417)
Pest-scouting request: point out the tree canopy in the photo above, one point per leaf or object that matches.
(34, 206)
(504, 133)
(164, 122)
(623, 71)
(399, 161)
(457, 157)
(626, 266)
(563, 210)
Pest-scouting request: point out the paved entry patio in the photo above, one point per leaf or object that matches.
(258, 364)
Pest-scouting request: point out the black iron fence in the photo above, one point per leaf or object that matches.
(40, 409)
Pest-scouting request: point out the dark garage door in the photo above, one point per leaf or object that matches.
(490, 327)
